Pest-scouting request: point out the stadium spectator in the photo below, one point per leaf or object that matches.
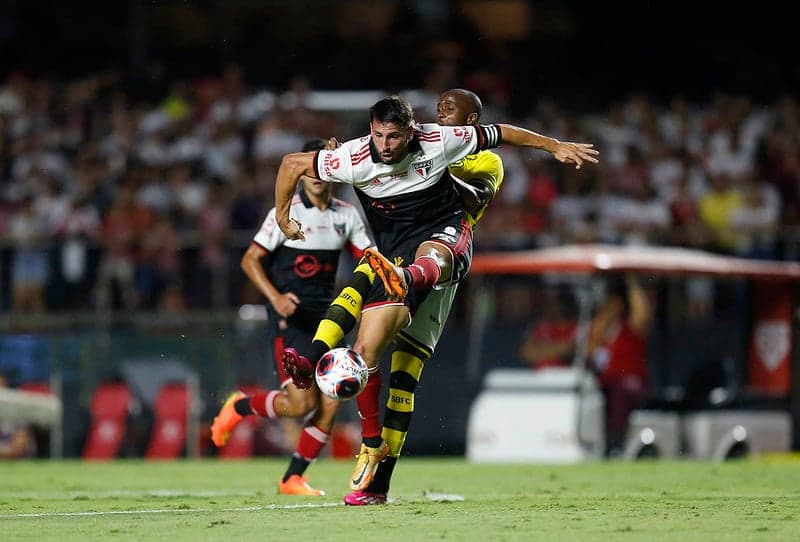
(550, 341)
(29, 268)
(298, 284)
(617, 353)
(716, 208)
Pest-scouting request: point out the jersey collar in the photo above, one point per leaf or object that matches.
(307, 202)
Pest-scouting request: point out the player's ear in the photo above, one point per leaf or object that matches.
(472, 118)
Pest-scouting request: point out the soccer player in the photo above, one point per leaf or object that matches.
(478, 178)
(299, 286)
(398, 173)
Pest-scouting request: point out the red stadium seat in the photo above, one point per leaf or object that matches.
(35, 387)
(110, 406)
(242, 442)
(168, 437)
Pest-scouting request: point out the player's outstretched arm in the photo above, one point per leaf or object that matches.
(292, 167)
(563, 151)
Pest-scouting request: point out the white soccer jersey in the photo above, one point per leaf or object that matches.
(308, 268)
(337, 227)
(433, 148)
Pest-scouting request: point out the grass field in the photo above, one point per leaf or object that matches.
(236, 501)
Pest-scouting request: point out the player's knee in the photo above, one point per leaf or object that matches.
(368, 354)
(442, 256)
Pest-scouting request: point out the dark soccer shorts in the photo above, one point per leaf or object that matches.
(400, 246)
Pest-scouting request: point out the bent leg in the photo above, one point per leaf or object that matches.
(343, 312)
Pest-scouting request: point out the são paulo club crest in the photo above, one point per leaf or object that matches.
(339, 229)
(423, 167)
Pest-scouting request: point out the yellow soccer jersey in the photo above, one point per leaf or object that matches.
(485, 166)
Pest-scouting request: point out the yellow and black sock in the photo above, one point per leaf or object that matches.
(343, 312)
(408, 361)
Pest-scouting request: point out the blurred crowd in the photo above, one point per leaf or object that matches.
(110, 201)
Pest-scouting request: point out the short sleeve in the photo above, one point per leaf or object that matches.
(335, 165)
(269, 236)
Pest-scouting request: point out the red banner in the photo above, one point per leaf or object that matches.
(771, 340)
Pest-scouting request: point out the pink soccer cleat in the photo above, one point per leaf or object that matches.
(364, 498)
(298, 367)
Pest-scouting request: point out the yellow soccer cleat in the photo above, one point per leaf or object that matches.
(366, 463)
(226, 420)
(394, 282)
(298, 485)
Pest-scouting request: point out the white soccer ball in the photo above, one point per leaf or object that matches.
(341, 374)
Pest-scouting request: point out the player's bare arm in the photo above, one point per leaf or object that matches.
(292, 167)
(284, 304)
(563, 151)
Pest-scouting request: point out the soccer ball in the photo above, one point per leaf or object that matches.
(341, 374)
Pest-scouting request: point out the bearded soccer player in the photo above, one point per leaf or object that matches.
(299, 285)
(478, 178)
(398, 172)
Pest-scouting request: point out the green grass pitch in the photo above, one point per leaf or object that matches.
(208, 500)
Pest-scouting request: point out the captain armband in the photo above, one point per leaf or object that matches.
(490, 136)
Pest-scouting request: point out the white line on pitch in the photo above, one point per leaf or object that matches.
(170, 511)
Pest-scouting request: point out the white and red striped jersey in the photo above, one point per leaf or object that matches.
(308, 268)
(410, 190)
(433, 148)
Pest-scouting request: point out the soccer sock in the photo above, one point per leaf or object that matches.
(369, 409)
(310, 444)
(261, 404)
(423, 274)
(343, 312)
(407, 364)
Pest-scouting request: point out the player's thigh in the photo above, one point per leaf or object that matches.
(428, 322)
(454, 239)
(378, 328)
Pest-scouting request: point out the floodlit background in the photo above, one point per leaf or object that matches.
(139, 143)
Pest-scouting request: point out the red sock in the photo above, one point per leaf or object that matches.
(311, 442)
(369, 407)
(424, 273)
(263, 404)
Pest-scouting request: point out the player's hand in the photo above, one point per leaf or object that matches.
(332, 144)
(293, 230)
(575, 153)
(286, 304)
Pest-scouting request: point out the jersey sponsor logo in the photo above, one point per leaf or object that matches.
(466, 135)
(423, 167)
(306, 265)
(330, 163)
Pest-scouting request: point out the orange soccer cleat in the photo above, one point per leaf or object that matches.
(226, 419)
(394, 282)
(366, 463)
(298, 485)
